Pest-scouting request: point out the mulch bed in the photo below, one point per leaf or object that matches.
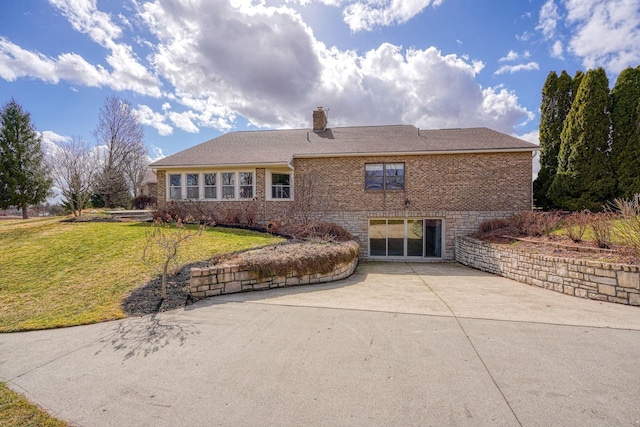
(146, 299)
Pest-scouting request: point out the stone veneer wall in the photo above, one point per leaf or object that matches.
(211, 281)
(581, 278)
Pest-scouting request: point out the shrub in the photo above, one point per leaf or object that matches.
(326, 231)
(521, 224)
(188, 211)
(299, 257)
(628, 228)
(143, 201)
(575, 224)
(601, 224)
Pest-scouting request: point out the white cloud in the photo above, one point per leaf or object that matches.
(511, 56)
(369, 14)
(148, 117)
(557, 50)
(511, 69)
(605, 32)
(183, 121)
(548, 20)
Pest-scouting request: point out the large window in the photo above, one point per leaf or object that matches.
(405, 238)
(210, 188)
(384, 176)
(228, 185)
(246, 185)
(280, 185)
(193, 190)
(211, 185)
(175, 186)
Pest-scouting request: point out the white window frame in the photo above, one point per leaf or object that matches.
(239, 185)
(269, 185)
(201, 185)
(170, 187)
(205, 186)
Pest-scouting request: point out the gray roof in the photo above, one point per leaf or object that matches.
(278, 147)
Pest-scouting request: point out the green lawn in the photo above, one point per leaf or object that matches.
(16, 411)
(55, 274)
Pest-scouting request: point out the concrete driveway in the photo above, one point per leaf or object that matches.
(395, 344)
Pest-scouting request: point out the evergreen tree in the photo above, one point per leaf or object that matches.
(24, 178)
(584, 179)
(625, 138)
(557, 95)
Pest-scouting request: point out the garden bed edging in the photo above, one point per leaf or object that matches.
(595, 280)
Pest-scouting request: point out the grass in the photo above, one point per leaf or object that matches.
(16, 411)
(56, 274)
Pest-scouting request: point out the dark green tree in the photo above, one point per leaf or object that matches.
(557, 95)
(24, 179)
(625, 137)
(584, 179)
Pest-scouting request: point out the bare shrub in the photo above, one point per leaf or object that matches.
(310, 201)
(628, 228)
(575, 224)
(492, 225)
(325, 231)
(601, 224)
(302, 258)
(187, 211)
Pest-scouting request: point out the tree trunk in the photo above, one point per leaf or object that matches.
(25, 214)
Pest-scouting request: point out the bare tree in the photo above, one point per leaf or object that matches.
(73, 170)
(310, 200)
(162, 247)
(123, 154)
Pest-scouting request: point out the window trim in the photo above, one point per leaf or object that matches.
(218, 187)
(269, 185)
(384, 176)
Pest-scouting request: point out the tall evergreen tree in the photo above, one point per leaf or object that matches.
(24, 178)
(625, 138)
(584, 179)
(557, 95)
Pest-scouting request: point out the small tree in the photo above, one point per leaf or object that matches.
(310, 200)
(162, 246)
(24, 179)
(73, 169)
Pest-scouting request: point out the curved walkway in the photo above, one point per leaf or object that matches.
(395, 344)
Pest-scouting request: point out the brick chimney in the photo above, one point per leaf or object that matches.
(319, 120)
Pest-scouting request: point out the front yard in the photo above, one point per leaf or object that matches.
(56, 274)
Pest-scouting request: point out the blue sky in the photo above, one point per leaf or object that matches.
(195, 69)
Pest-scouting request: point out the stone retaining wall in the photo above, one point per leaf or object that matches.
(210, 281)
(578, 277)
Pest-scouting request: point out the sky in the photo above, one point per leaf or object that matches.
(194, 69)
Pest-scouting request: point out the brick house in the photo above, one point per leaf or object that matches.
(404, 193)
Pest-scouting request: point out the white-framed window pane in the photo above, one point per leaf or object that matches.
(228, 185)
(373, 176)
(280, 186)
(394, 176)
(175, 186)
(210, 190)
(193, 191)
(246, 185)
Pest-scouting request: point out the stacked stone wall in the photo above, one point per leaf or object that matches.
(577, 277)
(211, 281)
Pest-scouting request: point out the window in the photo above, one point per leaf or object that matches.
(228, 185)
(246, 185)
(384, 176)
(175, 187)
(210, 190)
(405, 238)
(280, 186)
(193, 191)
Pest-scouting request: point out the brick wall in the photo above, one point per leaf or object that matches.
(581, 278)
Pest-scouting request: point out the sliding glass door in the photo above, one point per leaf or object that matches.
(405, 238)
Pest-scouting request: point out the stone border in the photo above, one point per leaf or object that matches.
(600, 281)
(211, 281)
